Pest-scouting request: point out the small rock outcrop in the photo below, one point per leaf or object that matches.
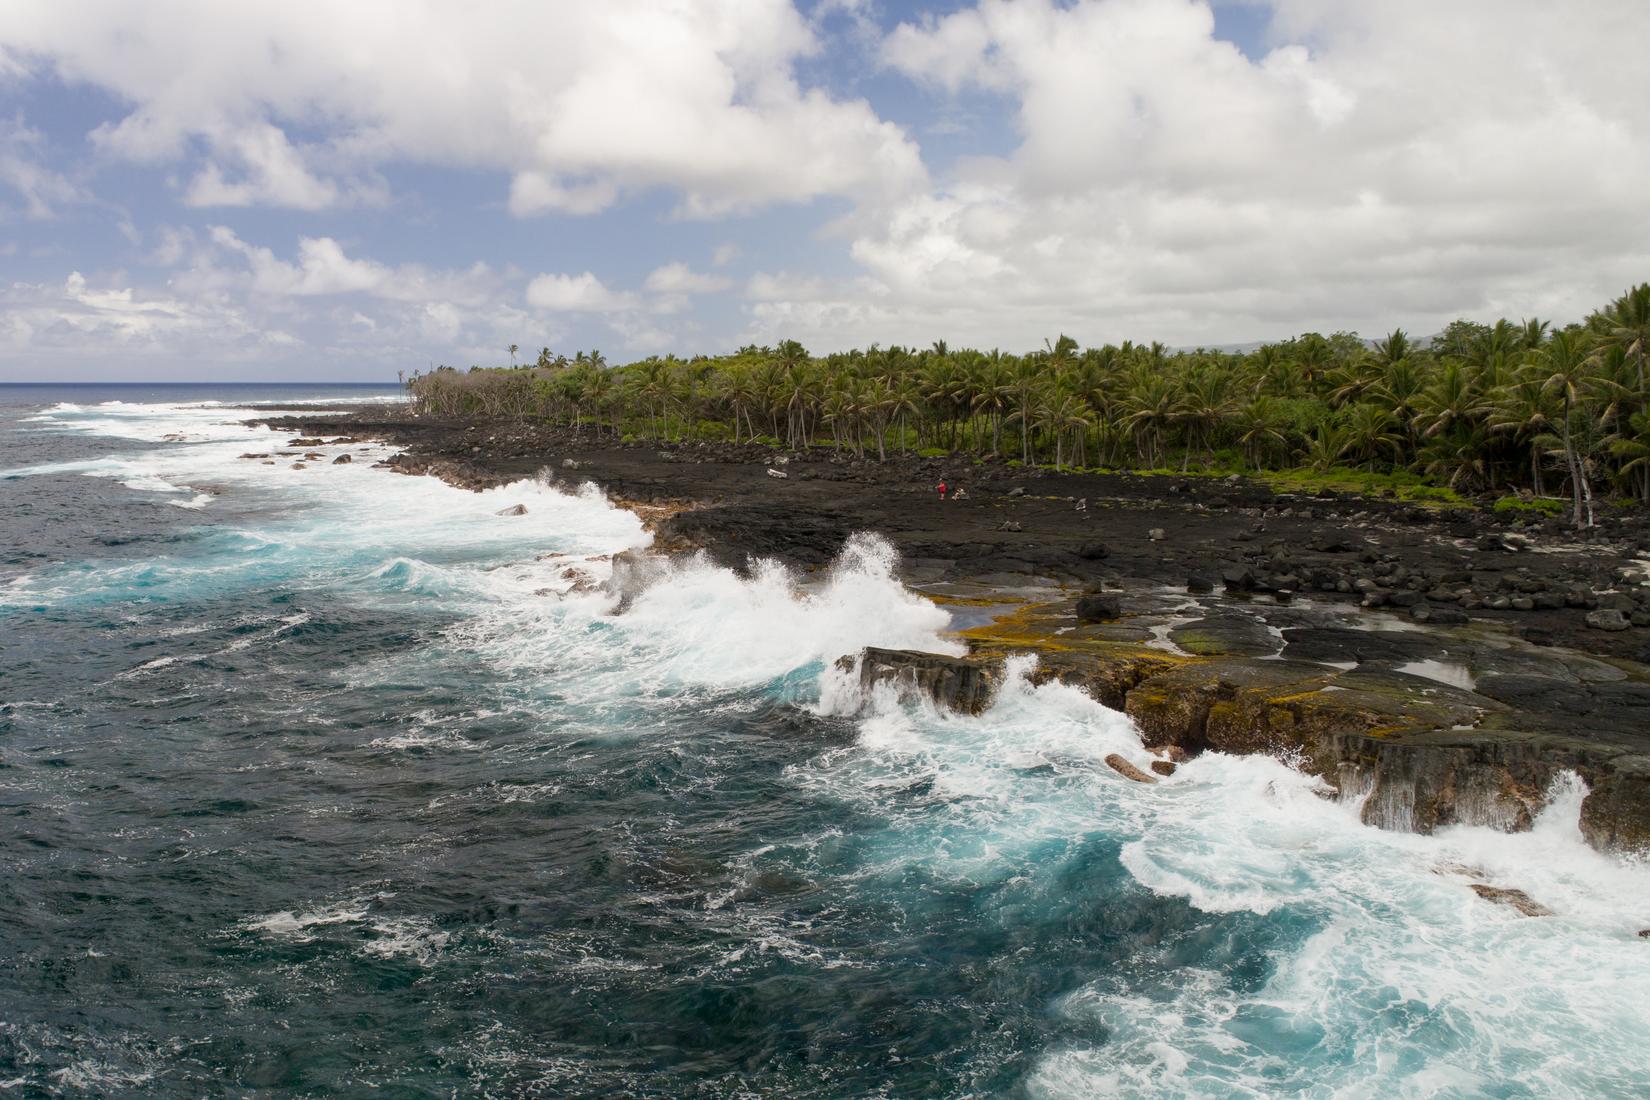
(1099, 607)
(1608, 618)
(513, 510)
(1516, 899)
(1127, 770)
(965, 685)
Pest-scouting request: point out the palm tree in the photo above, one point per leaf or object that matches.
(1632, 445)
(1400, 391)
(1395, 348)
(993, 393)
(1625, 323)
(1206, 401)
(1026, 376)
(1325, 446)
(1523, 408)
(1153, 403)
(1450, 401)
(1368, 433)
(1259, 428)
(1566, 372)
(1456, 457)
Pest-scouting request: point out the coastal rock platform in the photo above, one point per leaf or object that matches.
(1441, 665)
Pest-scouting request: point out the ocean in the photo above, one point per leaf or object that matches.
(333, 781)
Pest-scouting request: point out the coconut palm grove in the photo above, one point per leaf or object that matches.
(1542, 417)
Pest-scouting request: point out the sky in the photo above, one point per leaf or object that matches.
(311, 190)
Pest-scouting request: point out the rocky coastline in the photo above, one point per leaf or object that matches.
(1442, 665)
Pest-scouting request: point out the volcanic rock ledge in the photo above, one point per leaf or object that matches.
(1420, 755)
(1291, 657)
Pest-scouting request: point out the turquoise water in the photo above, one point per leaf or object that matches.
(330, 781)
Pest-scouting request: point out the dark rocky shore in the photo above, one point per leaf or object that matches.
(1448, 663)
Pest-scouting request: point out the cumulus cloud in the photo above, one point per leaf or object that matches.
(225, 302)
(1372, 168)
(678, 278)
(578, 103)
(576, 294)
(80, 318)
(322, 267)
(1401, 163)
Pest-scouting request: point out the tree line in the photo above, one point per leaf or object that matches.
(1554, 412)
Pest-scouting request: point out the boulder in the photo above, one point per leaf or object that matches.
(965, 685)
(1093, 551)
(1127, 770)
(1156, 534)
(1099, 607)
(513, 510)
(1438, 616)
(1517, 899)
(1198, 584)
(1164, 767)
(1608, 619)
(342, 460)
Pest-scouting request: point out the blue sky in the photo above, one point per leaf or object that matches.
(305, 191)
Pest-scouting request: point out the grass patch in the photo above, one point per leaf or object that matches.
(1399, 485)
(1543, 506)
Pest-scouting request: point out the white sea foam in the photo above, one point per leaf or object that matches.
(1413, 985)
(296, 926)
(415, 536)
(1404, 981)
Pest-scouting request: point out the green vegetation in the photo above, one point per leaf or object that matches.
(1481, 408)
(1542, 506)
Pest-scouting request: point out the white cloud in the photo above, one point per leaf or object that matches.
(272, 174)
(1399, 163)
(323, 268)
(229, 305)
(578, 104)
(576, 294)
(78, 317)
(678, 278)
(23, 170)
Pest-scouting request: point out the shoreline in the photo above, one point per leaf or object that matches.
(1445, 666)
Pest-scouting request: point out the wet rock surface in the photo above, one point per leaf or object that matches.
(1442, 666)
(966, 685)
(1515, 899)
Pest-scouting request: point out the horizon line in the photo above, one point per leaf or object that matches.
(199, 382)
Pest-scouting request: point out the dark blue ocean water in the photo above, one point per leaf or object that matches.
(320, 780)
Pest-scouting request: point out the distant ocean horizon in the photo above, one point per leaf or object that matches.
(192, 387)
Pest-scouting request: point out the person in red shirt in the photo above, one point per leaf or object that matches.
(942, 488)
